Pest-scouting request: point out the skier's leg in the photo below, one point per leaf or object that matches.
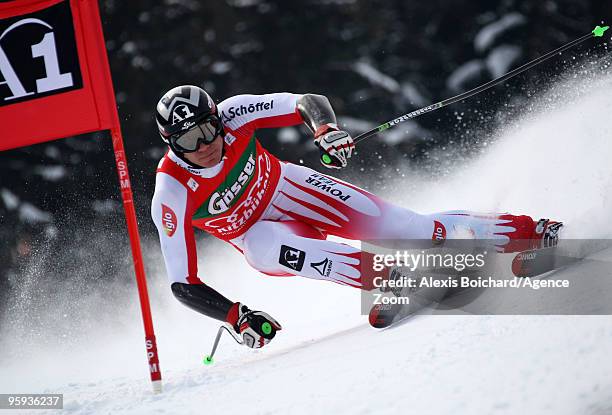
(295, 248)
(341, 209)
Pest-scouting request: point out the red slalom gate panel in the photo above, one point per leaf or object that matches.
(55, 82)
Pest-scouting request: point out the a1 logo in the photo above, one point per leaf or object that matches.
(38, 55)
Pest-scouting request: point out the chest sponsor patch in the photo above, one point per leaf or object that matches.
(169, 221)
(229, 192)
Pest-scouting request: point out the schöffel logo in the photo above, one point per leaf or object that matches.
(439, 234)
(169, 221)
(38, 55)
(291, 257)
(233, 112)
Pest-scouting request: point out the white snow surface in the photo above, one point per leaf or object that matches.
(554, 162)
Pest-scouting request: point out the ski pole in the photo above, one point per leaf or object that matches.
(209, 359)
(597, 32)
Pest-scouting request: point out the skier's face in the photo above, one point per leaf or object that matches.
(208, 155)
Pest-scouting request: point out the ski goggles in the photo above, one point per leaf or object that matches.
(204, 132)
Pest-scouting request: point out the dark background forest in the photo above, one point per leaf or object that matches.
(60, 205)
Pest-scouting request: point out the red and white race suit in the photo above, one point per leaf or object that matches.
(278, 214)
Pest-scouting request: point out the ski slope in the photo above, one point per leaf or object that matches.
(553, 162)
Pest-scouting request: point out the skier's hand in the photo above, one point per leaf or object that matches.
(256, 327)
(336, 144)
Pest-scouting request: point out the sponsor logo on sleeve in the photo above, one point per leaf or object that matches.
(233, 112)
(292, 257)
(439, 234)
(169, 222)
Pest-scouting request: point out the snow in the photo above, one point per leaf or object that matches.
(221, 67)
(412, 94)
(336, 2)
(11, 201)
(106, 206)
(326, 360)
(188, 4)
(129, 47)
(463, 74)
(408, 131)
(376, 77)
(355, 125)
(33, 215)
(239, 49)
(288, 135)
(53, 152)
(244, 3)
(435, 370)
(487, 36)
(501, 59)
(51, 173)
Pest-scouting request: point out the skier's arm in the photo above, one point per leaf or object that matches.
(246, 322)
(203, 299)
(170, 212)
(253, 112)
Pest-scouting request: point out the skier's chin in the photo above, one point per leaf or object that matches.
(209, 161)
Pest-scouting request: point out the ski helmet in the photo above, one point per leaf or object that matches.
(186, 116)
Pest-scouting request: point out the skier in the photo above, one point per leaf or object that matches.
(216, 176)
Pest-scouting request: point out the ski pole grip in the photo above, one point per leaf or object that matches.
(266, 328)
(327, 159)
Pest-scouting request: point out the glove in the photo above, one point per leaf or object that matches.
(336, 143)
(256, 327)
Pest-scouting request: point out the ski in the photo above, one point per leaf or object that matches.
(535, 262)
(539, 261)
(384, 315)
